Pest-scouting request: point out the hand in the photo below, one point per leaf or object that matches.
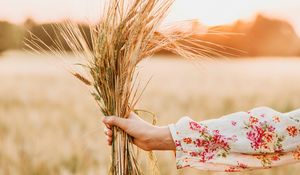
(146, 136)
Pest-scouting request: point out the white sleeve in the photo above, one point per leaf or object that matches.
(259, 138)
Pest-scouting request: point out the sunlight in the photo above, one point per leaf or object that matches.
(212, 12)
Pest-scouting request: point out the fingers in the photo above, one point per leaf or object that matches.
(108, 126)
(109, 141)
(121, 123)
(116, 121)
(108, 132)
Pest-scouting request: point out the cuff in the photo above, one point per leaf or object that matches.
(180, 153)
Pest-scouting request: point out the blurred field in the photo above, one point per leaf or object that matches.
(50, 125)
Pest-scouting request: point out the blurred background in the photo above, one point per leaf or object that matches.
(50, 124)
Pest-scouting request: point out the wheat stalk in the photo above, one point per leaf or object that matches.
(127, 33)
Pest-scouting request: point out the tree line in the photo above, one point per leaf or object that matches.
(261, 37)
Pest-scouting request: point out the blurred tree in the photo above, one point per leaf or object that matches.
(11, 36)
(29, 23)
(49, 35)
(263, 36)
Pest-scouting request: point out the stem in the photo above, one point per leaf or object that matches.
(123, 160)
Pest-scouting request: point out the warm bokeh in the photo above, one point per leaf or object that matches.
(212, 12)
(246, 28)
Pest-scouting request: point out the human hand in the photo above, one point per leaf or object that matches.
(146, 136)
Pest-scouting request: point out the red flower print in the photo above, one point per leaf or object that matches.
(275, 157)
(293, 131)
(253, 120)
(269, 137)
(243, 166)
(276, 119)
(233, 138)
(296, 154)
(194, 154)
(267, 159)
(237, 168)
(216, 132)
(212, 144)
(232, 169)
(177, 143)
(197, 127)
(233, 123)
(263, 137)
(187, 140)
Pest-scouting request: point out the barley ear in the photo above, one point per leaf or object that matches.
(82, 78)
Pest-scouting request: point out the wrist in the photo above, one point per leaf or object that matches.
(162, 139)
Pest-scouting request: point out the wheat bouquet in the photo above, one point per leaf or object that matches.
(128, 32)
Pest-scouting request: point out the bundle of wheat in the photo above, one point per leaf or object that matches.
(127, 33)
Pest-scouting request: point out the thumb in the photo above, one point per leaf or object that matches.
(116, 121)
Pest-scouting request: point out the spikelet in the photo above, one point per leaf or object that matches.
(83, 79)
(129, 31)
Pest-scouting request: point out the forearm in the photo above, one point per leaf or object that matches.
(162, 139)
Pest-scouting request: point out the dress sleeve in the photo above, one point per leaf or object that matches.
(259, 138)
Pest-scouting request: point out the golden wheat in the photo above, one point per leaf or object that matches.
(127, 33)
(49, 125)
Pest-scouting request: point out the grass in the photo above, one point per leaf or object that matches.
(49, 123)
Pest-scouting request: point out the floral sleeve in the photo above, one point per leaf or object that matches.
(260, 138)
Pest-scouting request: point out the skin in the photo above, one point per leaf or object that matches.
(146, 136)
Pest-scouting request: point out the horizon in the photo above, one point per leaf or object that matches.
(227, 11)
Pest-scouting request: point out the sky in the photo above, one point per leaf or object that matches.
(208, 12)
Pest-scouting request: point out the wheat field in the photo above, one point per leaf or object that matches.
(50, 124)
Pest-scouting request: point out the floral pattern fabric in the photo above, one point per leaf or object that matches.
(260, 138)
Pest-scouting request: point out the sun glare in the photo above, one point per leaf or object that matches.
(209, 12)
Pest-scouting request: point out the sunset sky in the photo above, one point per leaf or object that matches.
(209, 12)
